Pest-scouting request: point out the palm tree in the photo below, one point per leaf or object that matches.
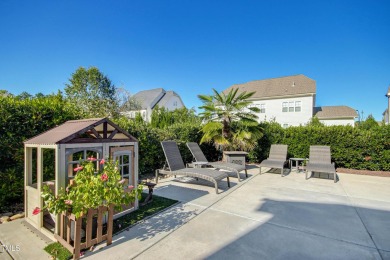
(230, 120)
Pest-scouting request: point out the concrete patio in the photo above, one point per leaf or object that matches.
(263, 217)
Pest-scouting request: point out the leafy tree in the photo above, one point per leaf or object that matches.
(139, 119)
(24, 95)
(126, 101)
(163, 118)
(369, 123)
(92, 93)
(4, 93)
(314, 121)
(230, 120)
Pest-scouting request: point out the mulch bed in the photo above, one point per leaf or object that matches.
(364, 172)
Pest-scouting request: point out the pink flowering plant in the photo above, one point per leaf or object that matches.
(90, 190)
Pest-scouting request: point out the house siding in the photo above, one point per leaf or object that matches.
(330, 122)
(174, 103)
(274, 110)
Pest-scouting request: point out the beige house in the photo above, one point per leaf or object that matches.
(291, 101)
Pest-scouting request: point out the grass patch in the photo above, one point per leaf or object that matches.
(158, 204)
(58, 251)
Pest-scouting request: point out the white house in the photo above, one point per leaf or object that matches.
(335, 115)
(290, 101)
(149, 99)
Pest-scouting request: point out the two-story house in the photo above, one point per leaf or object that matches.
(148, 99)
(290, 101)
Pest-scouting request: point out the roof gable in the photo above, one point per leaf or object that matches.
(83, 131)
(149, 98)
(168, 95)
(333, 112)
(277, 87)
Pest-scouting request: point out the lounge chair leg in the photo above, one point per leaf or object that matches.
(228, 181)
(238, 176)
(216, 187)
(246, 173)
(260, 170)
(156, 176)
(282, 172)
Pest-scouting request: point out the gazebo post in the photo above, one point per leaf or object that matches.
(39, 182)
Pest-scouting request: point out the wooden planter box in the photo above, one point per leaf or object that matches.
(75, 245)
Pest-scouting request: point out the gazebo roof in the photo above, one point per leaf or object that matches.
(93, 130)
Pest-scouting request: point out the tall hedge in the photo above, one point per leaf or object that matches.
(21, 119)
(151, 155)
(351, 147)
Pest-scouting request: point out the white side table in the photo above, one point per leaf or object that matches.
(199, 164)
(297, 160)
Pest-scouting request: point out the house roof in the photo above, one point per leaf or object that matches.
(275, 87)
(149, 98)
(333, 112)
(166, 97)
(85, 130)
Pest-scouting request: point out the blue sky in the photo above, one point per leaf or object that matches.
(193, 46)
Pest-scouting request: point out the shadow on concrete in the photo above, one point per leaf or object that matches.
(286, 171)
(222, 185)
(300, 230)
(160, 225)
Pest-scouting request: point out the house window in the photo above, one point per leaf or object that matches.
(285, 107)
(144, 114)
(291, 106)
(297, 106)
(262, 108)
(175, 104)
(285, 125)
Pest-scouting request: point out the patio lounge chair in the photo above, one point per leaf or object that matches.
(199, 157)
(277, 158)
(320, 161)
(176, 166)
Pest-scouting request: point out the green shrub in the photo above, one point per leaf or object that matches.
(151, 155)
(21, 119)
(357, 148)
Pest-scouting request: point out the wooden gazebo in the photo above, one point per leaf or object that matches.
(51, 157)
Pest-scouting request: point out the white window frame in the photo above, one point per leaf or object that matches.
(118, 156)
(298, 106)
(291, 106)
(262, 108)
(285, 107)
